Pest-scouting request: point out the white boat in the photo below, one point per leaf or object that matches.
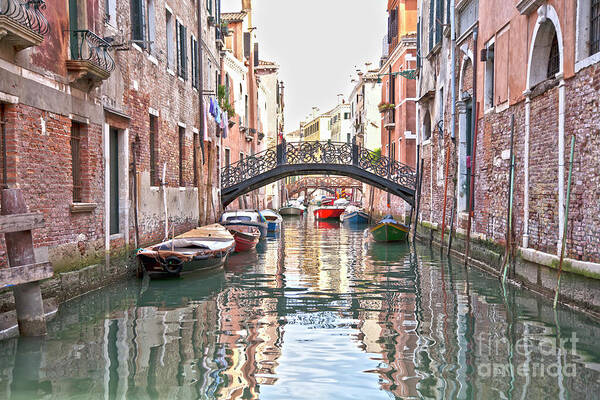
(292, 208)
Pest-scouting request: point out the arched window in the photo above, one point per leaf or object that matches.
(427, 126)
(554, 58)
(545, 58)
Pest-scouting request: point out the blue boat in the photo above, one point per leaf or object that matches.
(354, 215)
(245, 218)
(274, 220)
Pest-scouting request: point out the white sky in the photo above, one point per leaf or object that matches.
(319, 44)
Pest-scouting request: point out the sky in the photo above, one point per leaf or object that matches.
(319, 45)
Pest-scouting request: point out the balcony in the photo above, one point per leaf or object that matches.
(90, 62)
(389, 118)
(22, 23)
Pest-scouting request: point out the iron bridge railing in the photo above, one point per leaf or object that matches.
(323, 153)
(87, 46)
(27, 13)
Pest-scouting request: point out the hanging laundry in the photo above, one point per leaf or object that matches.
(218, 115)
(213, 105)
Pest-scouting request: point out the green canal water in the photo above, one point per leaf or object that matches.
(318, 313)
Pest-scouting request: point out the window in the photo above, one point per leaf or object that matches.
(76, 161)
(209, 6)
(439, 20)
(227, 157)
(347, 115)
(467, 16)
(246, 112)
(3, 146)
(489, 77)
(110, 9)
(181, 50)
(427, 126)
(154, 179)
(194, 62)
(138, 22)
(241, 157)
(595, 27)
(553, 59)
(170, 53)
(150, 23)
(181, 154)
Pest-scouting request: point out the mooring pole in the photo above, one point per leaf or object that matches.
(19, 249)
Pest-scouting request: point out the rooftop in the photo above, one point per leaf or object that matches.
(233, 16)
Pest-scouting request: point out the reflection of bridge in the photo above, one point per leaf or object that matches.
(328, 183)
(317, 158)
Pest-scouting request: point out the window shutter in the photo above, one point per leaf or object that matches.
(184, 47)
(142, 20)
(135, 19)
(389, 38)
(419, 44)
(431, 23)
(177, 33)
(247, 39)
(256, 54)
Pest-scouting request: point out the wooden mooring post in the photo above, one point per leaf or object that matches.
(23, 273)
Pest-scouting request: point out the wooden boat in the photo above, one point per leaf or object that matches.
(245, 217)
(331, 212)
(390, 230)
(202, 248)
(274, 220)
(246, 237)
(354, 215)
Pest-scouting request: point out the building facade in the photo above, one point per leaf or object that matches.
(341, 123)
(366, 118)
(100, 104)
(536, 62)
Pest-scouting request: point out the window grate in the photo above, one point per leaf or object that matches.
(76, 161)
(595, 27)
(3, 144)
(553, 59)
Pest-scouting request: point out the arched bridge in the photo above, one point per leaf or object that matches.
(317, 158)
(328, 183)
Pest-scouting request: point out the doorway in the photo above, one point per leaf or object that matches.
(114, 180)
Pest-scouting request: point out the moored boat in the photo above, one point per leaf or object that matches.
(274, 220)
(245, 217)
(354, 215)
(389, 230)
(330, 212)
(246, 237)
(292, 209)
(202, 248)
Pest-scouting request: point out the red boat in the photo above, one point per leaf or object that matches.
(246, 237)
(328, 212)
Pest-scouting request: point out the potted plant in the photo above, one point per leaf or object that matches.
(383, 106)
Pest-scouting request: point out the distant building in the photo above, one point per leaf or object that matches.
(341, 123)
(316, 127)
(366, 118)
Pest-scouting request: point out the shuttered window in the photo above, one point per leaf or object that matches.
(431, 23)
(439, 21)
(195, 160)
(76, 161)
(194, 62)
(181, 50)
(595, 27)
(138, 22)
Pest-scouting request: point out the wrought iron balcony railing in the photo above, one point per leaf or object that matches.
(26, 13)
(87, 46)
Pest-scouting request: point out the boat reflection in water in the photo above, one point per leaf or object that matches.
(314, 314)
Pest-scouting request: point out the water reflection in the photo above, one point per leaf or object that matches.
(314, 313)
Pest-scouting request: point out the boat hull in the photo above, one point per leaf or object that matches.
(244, 242)
(357, 217)
(273, 226)
(155, 270)
(390, 232)
(262, 227)
(328, 213)
(291, 211)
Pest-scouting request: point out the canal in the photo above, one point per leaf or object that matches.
(316, 313)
